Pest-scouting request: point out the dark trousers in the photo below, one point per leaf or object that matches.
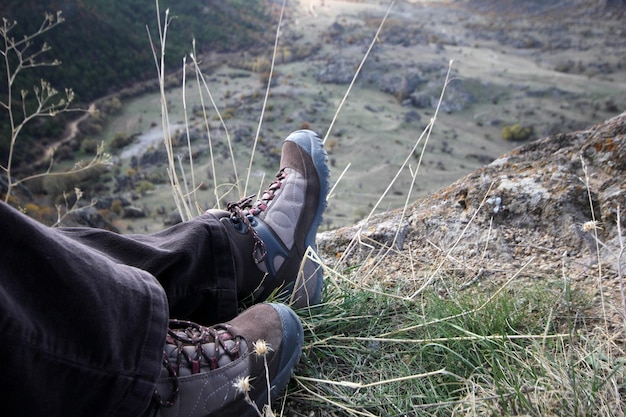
(83, 312)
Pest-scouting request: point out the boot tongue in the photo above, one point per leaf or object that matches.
(268, 195)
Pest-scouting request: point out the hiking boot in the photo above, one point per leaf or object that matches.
(221, 370)
(271, 236)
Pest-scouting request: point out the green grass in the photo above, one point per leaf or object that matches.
(464, 354)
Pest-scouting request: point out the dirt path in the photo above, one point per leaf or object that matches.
(71, 130)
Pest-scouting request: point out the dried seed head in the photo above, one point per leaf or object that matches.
(261, 347)
(242, 385)
(268, 412)
(591, 225)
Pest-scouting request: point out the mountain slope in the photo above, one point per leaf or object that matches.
(104, 45)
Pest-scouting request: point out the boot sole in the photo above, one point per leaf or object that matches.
(311, 143)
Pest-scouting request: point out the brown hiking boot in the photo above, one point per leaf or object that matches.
(270, 237)
(221, 370)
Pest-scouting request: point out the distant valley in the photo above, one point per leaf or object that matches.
(516, 75)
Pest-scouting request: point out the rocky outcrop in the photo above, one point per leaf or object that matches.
(530, 209)
(87, 217)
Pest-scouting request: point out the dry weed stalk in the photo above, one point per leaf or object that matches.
(18, 56)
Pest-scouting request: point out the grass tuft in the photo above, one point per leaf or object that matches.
(465, 353)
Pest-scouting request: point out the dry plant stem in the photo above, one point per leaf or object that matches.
(432, 276)
(44, 93)
(597, 241)
(252, 404)
(207, 128)
(332, 402)
(356, 73)
(308, 254)
(481, 270)
(620, 272)
(101, 158)
(191, 168)
(200, 77)
(474, 401)
(465, 313)
(358, 385)
(429, 130)
(78, 194)
(425, 134)
(332, 190)
(332, 273)
(184, 178)
(267, 94)
(267, 381)
(159, 60)
(283, 404)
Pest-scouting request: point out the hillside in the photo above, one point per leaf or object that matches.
(104, 46)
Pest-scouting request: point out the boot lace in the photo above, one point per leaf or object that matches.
(243, 211)
(208, 345)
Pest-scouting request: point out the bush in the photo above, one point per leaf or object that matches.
(89, 146)
(516, 133)
(117, 207)
(144, 187)
(120, 140)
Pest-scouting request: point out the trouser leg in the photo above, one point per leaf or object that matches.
(80, 333)
(192, 261)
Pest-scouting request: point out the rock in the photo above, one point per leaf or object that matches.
(401, 85)
(336, 71)
(154, 157)
(172, 219)
(529, 205)
(422, 100)
(87, 217)
(412, 116)
(105, 203)
(335, 30)
(132, 212)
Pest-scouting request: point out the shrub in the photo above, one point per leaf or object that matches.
(144, 186)
(117, 207)
(516, 133)
(89, 146)
(229, 113)
(121, 140)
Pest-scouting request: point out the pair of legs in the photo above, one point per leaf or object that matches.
(84, 313)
